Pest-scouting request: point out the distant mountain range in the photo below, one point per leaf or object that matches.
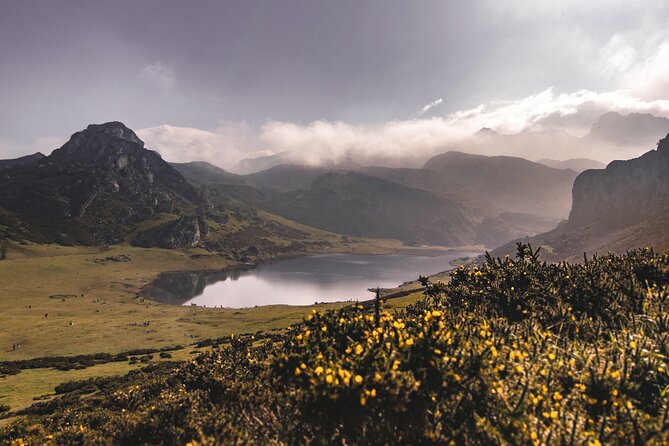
(621, 207)
(575, 164)
(455, 199)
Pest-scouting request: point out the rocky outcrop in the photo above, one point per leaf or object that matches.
(625, 193)
(184, 232)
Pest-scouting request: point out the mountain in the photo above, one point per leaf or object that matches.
(615, 209)
(28, 159)
(358, 204)
(285, 177)
(94, 186)
(634, 129)
(513, 184)
(425, 205)
(575, 164)
(252, 165)
(202, 172)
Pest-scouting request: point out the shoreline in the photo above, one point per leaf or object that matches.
(388, 293)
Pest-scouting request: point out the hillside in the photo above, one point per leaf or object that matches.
(513, 184)
(429, 205)
(356, 204)
(514, 352)
(28, 159)
(615, 209)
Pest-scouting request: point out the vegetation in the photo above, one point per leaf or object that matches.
(515, 351)
(90, 297)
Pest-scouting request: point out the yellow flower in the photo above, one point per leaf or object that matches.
(358, 349)
(329, 379)
(557, 396)
(318, 370)
(409, 342)
(358, 379)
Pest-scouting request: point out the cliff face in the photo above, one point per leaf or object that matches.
(622, 207)
(625, 193)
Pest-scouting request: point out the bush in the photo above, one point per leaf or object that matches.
(515, 351)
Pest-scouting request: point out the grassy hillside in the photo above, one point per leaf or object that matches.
(514, 352)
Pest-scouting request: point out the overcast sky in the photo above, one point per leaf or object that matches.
(260, 76)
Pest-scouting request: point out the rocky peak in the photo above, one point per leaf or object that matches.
(114, 129)
(101, 143)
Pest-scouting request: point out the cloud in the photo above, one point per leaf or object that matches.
(223, 147)
(159, 75)
(617, 55)
(650, 79)
(409, 142)
(427, 107)
(335, 142)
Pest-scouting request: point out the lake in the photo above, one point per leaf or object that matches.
(299, 280)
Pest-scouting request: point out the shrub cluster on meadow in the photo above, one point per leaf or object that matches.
(515, 351)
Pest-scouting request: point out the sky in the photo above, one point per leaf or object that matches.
(224, 80)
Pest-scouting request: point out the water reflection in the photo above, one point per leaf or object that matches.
(297, 281)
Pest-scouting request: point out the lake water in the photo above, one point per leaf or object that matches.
(299, 280)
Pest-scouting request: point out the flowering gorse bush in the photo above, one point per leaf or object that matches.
(515, 351)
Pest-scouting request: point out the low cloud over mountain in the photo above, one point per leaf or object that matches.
(543, 125)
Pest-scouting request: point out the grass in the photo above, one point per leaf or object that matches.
(93, 307)
(21, 390)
